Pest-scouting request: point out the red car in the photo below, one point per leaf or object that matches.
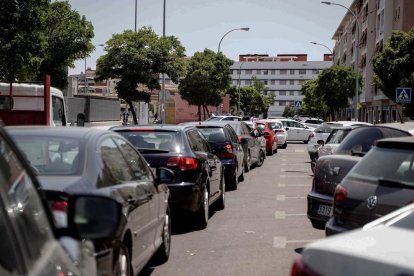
(269, 135)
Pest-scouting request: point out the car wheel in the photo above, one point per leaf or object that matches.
(241, 177)
(313, 164)
(221, 202)
(233, 181)
(317, 224)
(247, 163)
(203, 213)
(163, 253)
(270, 152)
(284, 145)
(275, 151)
(260, 159)
(123, 262)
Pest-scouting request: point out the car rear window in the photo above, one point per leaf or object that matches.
(275, 125)
(396, 165)
(154, 139)
(337, 135)
(326, 128)
(213, 134)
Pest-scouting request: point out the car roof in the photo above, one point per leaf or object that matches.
(406, 143)
(152, 127)
(70, 132)
(207, 123)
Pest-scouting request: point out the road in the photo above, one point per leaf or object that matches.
(259, 232)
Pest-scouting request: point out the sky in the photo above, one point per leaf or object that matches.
(276, 26)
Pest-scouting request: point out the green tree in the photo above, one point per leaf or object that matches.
(137, 59)
(38, 37)
(394, 66)
(288, 111)
(311, 103)
(336, 85)
(207, 79)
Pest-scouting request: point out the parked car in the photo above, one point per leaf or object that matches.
(199, 180)
(297, 131)
(30, 242)
(224, 143)
(260, 138)
(310, 122)
(331, 169)
(269, 134)
(224, 118)
(322, 132)
(380, 183)
(253, 153)
(381, 247)
(86, 160)
(280, 131)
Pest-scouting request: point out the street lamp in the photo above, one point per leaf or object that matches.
(238, 89)
(163, 75)
(356, 54)
(237, 29)
(315, 43)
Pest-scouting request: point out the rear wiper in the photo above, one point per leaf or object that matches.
(391, 183)
(152, 150)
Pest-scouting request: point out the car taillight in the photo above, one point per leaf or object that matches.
(341, 193)
(59, 205)
(227, 152)
(183, 163)
(300, 269)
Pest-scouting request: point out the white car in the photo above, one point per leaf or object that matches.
(381, 247)
(280, 132)
(322, 132)
(224, 118)
(296, 130)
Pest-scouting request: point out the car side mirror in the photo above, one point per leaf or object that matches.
(92, 217)
(286, 128)
(321, 143)
(165, 176)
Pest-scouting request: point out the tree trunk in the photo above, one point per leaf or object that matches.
(206, 111)
(134, 115)
(199, 113)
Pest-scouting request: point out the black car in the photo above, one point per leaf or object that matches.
(331, 169)
(253, 154)
(199, 173)
(224, 143)
(71, 160)
(30, 242)
(380, 183)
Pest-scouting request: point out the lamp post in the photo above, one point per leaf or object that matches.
(315, 43)
(356, 54)
(163, 75)
(237, 29)
(238, 90)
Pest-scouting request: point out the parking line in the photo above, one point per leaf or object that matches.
(299, 150)
(283, 215)
(292, 185)
(294, 176)
(283, 197)
(281, 242)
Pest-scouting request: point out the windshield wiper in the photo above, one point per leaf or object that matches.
(391, 183)
(152, 150)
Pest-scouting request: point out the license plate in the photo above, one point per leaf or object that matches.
(324, 210)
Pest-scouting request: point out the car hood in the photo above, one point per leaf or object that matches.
(379, 251)
(66, 184)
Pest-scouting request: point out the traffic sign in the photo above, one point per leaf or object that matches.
(297, 104)
(403, 95)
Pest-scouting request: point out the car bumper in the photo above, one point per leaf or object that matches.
(229, 170)
(185, 195)
(281, 139)
(319, 206)
(331, 228)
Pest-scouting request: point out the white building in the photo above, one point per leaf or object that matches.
(282, 74)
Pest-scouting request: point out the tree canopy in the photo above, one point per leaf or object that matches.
(137, 59)
(311, 103)
(38, 37)
(207, 79)
(331, 91)
(394, 66)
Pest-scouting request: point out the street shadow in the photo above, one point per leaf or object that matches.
(299, 250)
(146, 271)
(183, 222)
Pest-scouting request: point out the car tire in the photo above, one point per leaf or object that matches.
(270, 152)
(241, 177)
(284, 145)
(261, 158)
(163, 252)
(247, 163)
(123, 262)
(202, 214)
(221, 202)
(318, 224)
(233, 181)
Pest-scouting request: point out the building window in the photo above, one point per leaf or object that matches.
(258, 72)
(282, 93)
(265, 72)
(302, 72)
(283, 72)
(292, 72)
(299, 93)
(272, 72)
(272, 82)
(248, 82)
(301, 82)
(282, 103)
(292, 82)
(315, 71)
(265, 82)
(282, 82)
(248, 72)
(291, 93)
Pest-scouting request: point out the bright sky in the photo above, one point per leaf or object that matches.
(276, 26)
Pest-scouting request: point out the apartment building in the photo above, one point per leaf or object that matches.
(376, 20)
(282, 75)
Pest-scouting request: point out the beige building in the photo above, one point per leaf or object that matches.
(377, 19)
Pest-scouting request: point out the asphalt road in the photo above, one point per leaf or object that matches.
(259, 232)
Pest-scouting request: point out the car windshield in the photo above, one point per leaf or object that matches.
(213, 134)
(214, 119)
(363, 138)
(51, 155)
(161, 140)
(392, 165)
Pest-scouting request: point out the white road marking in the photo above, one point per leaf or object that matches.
(292, 185)
(299, 150)
(281, 242)
(283, 215)
(283, 197)
(294, 176)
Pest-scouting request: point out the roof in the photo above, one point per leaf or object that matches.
(209, 123)
(406, 143)
(151, 127)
